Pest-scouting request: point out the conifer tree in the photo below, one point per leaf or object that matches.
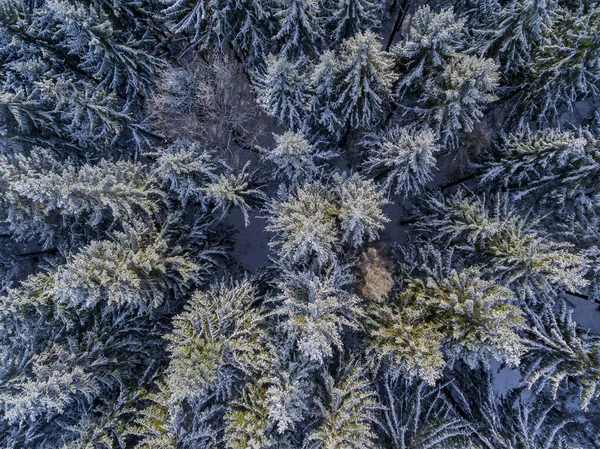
(324, 81)
(563, 68)
(310, 224)
(516, 254)
(49, 199)
(365, 81)
(299, 33)
(281, 91)
(314, 308)
(295, 159)
(348, 409)
(360, 210)
(185, 168)
(215, 342)
(512, 420)
(435, 321)
(433, 39)
(91, 336)
(417, 415)
(562, 353)
(234, 189)
(304, 226)
(350, 17)
(405, 159)
(453, 101)
(523, 26)
(244, 25)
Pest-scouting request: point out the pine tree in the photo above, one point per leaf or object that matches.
(460, 317)
(314, 308)
(350, 17)
(89, 341)
(360, 210)
(80, 66)
(512, 249)
(562, 353)
(417, 415)
(305, 226)
(234, 189)
(564, 68)
(523, 26)
(453, 101)
(245, 25)
(365, 81)
(348, 409)
(281, 91)
(299, 33)
(324, 81)
(404, 158)
(295, 159)
(434, 38)
(513, 420)
(135, 269)
(166, 423)
(49, 199)
(215, 342)
(185, 168)
(558, 165)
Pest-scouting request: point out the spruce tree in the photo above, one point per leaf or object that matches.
(281, 91)
(52, 200)
(405, 159)
(437, 321)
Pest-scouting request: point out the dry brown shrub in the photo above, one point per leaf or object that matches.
(374, 278)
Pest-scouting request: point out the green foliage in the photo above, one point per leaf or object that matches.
(215, 342)
(347, 411)
(459, 317)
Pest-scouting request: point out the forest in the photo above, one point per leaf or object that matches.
(300, 224)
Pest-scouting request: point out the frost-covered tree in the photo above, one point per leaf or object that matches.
(405, 159)
(522, 26)
(234, 190)
(324, 81)
(305, 226)
(561, 353)
(417, 415)
(564, 68)
(294, 158)
(166, 423)
(360, 210)
(75, 73)
(435, 321)
(365, 81)
(512, 420)
(135, 269)
(310, 224)
(559, 165)
(185, 168)
(348, 411)
(281, 91)
(517, 254)
(453, 101)
(434, 38)
(314, 308)
(245, 25)
(215, 342)
(299, 32)
(89, 339)
(350, 17)
(52, 200)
